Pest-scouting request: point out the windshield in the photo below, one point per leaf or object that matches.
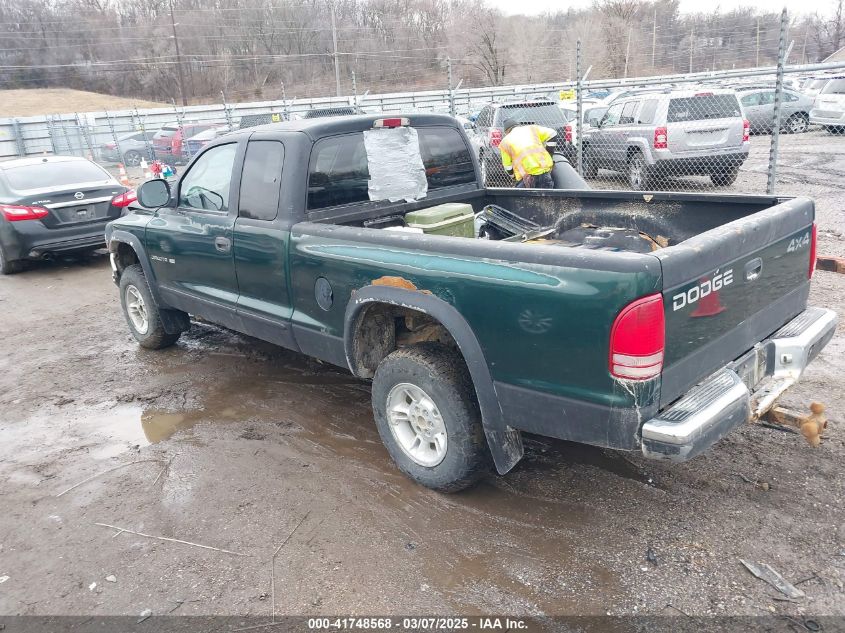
(54, 174)
(541, 114)
(834, 87)
(705, 106)
(166, 132)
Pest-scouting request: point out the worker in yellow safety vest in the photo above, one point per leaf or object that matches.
(524, 154)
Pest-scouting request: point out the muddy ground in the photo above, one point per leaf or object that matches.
(232, 443)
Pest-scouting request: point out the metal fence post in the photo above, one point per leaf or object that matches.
(151, 153)
(579, 111)
(51, 132)
(773, 148)
(114, 137)
(354, 90)
(19, 142)
(66, 134)
(181, 131)
(451, 92)
(226, 111)
(83, 132)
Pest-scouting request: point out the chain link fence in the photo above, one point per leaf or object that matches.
(729, 131)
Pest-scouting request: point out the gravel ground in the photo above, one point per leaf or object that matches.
(235, 444)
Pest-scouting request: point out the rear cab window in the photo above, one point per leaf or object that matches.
(703, 106)
(338, 172)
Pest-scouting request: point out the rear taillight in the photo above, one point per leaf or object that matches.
(814, 238)
(124, 199)
(746, 131)
(110, 146)
(176, 144)
(661, 138)
(567, 133)
(495, 137)
(637, 339)
(14, 212)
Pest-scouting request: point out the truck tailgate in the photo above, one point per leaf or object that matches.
(728, 288)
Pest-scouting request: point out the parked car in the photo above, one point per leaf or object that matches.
(670, 133)
(340, 111)
(758, 103)
(194, 144)
(55, 204)
(134, 146)
(167, 142)
(489, 131)
(829, 107)
(593, 335)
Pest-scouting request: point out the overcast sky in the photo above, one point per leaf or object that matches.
(687, 6)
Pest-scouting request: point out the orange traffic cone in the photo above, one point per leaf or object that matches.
(122, 176)
(709, 305)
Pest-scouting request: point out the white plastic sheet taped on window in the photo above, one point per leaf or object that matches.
(395, 163)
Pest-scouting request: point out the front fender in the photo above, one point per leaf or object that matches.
(505, 443)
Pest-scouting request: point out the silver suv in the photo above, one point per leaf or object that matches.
(671, 133)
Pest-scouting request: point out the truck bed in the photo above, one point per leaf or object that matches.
(705, 247)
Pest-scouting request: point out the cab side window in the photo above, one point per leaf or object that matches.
(611, 117)
(261, 180)
(206, 186)
(627, 116)
(751, 100)
(647, 112)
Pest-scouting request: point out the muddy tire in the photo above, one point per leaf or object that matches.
(141, 311)
(428, 417)
(9, 267)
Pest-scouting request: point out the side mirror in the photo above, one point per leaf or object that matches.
(154, 194)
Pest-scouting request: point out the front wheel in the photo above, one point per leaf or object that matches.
(141, 312)
(427, 416)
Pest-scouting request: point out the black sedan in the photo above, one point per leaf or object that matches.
(55, 204)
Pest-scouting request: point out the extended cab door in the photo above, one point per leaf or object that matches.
(190, 246)
(261, 239)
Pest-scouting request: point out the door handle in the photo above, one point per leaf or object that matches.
(223, 244)
(753, 269)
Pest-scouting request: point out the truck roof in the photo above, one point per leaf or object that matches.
(328, 126)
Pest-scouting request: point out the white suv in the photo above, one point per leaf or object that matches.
(829, 106)
(670, 133)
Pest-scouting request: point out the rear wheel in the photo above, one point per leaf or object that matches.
(725, 179)
(639, 177)
(7, 266)
(428, 418)
(141, 312)
(132, 158)
(797, 123)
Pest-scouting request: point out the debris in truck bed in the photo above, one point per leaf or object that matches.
(608, 238)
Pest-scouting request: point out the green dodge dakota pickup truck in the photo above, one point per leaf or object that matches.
(653, 322)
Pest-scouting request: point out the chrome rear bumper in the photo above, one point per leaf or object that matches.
(742, 391)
